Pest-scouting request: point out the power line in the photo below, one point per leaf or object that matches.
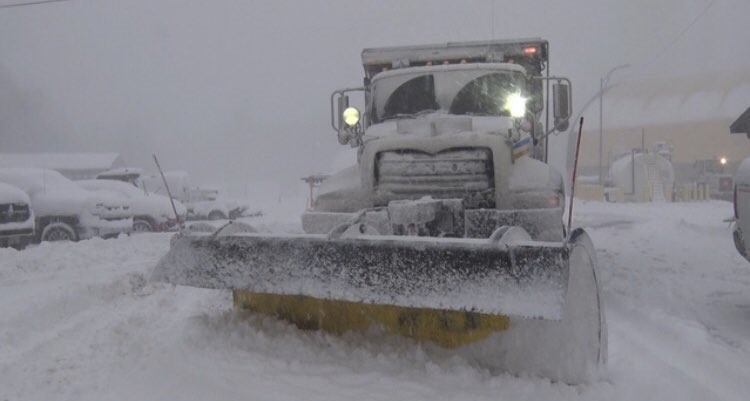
(687, 28)
(682, 33)
(30, 3)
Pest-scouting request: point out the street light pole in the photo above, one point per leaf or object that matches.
(602, 84)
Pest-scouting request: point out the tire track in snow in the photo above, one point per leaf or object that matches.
(680, 353)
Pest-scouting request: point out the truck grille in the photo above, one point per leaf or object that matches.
(13, 212)
(465, 173)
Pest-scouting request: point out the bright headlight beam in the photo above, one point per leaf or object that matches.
(351, 116)
(516, 105)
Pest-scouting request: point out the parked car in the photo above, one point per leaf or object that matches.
(207, 203)
(65, 211)
(16, 217)
(201, 202)
(714, 174)
(151, 212)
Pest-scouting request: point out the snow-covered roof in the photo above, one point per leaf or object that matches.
(742, 124)
(676, 101)
(122, 171)
(62, 161)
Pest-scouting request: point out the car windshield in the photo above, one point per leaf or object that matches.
(470, 91)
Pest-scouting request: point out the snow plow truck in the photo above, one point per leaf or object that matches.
(449, 227)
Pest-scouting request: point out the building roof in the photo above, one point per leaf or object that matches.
(61, 161)
(679, 100)
(742, 124)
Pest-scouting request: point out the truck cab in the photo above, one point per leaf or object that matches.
(455, 129)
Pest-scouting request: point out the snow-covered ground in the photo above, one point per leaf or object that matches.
(80, 321)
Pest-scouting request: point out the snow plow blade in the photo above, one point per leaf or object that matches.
(467, 275)
(507, 303)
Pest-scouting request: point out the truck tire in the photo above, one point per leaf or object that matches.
(59, 232)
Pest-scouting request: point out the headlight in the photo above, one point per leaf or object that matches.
(516, 105)
(351, 116)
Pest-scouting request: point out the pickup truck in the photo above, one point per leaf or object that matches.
(16, 217)
(151, 212)
(64, 211)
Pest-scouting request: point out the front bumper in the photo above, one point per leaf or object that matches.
(106, 228)
(16, 236)
(541, 224)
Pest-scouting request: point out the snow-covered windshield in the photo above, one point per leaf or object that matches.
(120, 187)
(33, 179)
(469, 90)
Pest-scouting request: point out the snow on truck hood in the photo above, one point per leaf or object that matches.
(438, 124)
(11, 194)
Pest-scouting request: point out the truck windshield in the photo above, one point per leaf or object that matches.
(464, 92)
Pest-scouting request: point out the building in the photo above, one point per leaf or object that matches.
(692, 114)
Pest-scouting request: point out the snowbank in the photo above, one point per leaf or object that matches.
(80, 322)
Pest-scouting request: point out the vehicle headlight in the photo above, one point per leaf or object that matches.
(351, 116)
(515, 104)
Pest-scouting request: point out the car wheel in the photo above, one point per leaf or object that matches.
(58, 232)
(216, 215)
(142, 226)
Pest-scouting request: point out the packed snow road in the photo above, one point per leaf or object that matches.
(80, 321)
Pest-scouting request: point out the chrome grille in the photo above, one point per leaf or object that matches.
(14, 212)
(464, 173)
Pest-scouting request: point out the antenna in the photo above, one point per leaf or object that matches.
(171, 200)
(492, 19)
(575, 167)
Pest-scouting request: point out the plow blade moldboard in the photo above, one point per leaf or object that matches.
(527, 279)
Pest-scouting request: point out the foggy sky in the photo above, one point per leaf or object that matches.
(238, 91)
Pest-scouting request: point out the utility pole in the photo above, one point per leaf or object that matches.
(602, 84)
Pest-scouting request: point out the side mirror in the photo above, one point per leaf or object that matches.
(561, 105)
(345, 120)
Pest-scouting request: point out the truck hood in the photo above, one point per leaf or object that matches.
(60, 202)
(440, 124)
(11, 194)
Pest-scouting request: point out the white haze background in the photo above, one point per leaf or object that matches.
(238, 91)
